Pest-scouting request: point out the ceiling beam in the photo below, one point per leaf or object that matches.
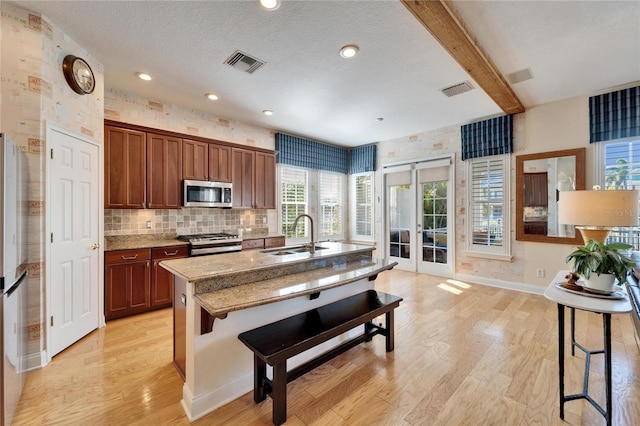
(442, 20)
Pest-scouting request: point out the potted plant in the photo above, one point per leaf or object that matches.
(600, 264)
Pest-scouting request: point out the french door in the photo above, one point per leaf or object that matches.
(419, 216)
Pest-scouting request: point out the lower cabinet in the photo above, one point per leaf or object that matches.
(261, 243)
(161, 279)
(180, 327)
(135, 282)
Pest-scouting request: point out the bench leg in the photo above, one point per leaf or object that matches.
(259, 374)
(390, 333)
(279, 393)
(368, 327)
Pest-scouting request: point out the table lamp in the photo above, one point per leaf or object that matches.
(595, 211)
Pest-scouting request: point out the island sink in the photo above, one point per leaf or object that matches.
(281, 251)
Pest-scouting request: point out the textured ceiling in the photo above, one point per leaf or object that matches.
(572, 48)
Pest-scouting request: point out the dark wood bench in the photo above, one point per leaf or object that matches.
(275, 343)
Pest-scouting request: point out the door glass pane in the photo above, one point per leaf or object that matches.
(434, 222)
(399, 221)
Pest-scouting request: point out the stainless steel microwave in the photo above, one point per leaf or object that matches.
(199, 193)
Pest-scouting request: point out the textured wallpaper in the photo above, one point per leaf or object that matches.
(35, 92)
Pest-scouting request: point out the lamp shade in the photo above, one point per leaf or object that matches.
(598, 208)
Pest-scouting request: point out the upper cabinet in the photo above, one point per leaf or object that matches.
(206, 161)
(194, 159)
(254, 179)
(164, 172)
(219, 163)
(265, 181)
(125, 168)
(243, 177)
(142, 170)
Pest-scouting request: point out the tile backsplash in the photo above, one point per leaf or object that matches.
(191, 220)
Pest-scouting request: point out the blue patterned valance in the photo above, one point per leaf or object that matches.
(488, 137)
(614, 115)
(300, 152)
(362, 159)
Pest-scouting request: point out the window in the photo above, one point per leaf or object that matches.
(618, 167)
(293, 198)
(298, 195)
(362, 206)
(331, 212)
(488, 206)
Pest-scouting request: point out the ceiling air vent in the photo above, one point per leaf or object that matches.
(457, 89)
(244, 62)
(520, 76)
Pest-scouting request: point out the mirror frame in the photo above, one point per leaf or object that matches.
(579, 153)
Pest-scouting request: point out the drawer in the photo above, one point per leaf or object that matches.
(124, 256)
(253, 244)
(274, 242)
(169, 252)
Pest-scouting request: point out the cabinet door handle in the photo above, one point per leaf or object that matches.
(130, 257)
(170, 254)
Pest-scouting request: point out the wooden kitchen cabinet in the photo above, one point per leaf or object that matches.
(262, 243)
(164, 172)
(180, 327)
(535, 189)
(127, 282)
(194, 160)
(274, 242)
(535, 228)
(161, 279)
(265, 181)
(206, 161)
(219, 163)
(243, 177)
(125, 168)
(254, 179)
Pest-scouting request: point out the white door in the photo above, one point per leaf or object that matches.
(74, 282)
(419, 211)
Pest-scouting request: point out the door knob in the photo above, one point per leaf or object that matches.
(95, 246)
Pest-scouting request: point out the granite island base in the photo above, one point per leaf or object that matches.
(237, 292)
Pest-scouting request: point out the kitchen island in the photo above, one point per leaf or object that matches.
(225, 295)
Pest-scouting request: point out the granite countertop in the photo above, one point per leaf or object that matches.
(199, 270)
(229, 282)
(132, 242)
(226, 300)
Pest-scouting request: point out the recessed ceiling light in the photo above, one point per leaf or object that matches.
(143, 76)
(267, 112)
(212, 97)
(349, 51)
(270, 4)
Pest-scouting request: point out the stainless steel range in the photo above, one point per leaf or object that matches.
(202, 244)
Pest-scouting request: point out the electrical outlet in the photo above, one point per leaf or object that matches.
(540, 273)
(148, 224)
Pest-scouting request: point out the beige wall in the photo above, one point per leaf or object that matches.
(550, 127)
(35, 92)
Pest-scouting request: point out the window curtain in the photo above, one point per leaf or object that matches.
(362, 159)
(488, 137)
(614, 115)
(300, 152)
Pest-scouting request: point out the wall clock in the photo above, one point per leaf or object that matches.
(78, 74)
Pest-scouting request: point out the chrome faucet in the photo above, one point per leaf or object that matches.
(295, 223)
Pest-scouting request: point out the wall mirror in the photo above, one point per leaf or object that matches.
(539, 180)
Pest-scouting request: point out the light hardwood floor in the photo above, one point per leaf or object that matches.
(465, 354)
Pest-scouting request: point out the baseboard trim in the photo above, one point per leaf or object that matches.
(507, 285)
(36, 360)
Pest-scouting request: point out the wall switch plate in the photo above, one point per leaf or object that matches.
(540, 273)
(148, 224)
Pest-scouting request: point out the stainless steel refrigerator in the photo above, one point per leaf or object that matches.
(13, 276)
